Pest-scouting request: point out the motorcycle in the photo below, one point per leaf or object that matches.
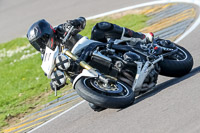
(111, 75)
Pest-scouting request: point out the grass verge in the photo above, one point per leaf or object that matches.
(23, 84)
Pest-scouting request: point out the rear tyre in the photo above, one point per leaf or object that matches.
(178, 64)
(117, 95)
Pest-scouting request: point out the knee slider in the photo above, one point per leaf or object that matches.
(105, 26)
(97, 34)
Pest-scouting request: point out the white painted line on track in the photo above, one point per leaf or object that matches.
(197, 22)
(57, 116)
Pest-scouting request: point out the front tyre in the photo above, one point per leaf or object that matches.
(117, 95)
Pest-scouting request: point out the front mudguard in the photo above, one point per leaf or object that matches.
(84, 73)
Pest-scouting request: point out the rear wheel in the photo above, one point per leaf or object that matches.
(178, 64)
(111, 95)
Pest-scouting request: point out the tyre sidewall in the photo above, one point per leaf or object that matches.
(102, 100)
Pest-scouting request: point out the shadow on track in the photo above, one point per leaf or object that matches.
(165, 85)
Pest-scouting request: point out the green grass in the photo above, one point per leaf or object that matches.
(22, 82)
(11, 45)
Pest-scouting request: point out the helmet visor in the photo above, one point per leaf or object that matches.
(40, 43)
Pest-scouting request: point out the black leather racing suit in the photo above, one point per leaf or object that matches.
(104, 30)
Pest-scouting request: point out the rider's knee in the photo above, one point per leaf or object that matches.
(104, 26)
(103, 30)
(98, 31)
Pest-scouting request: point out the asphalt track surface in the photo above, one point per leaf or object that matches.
(173, 107)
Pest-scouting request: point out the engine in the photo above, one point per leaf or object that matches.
(118, 65)
(101, 62)
(123, 67)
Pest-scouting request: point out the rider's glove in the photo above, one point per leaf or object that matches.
(149, 37)
(79, 24)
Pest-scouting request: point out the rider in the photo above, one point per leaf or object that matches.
(42, 34)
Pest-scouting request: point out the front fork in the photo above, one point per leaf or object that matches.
(142, 72)
(86, 66)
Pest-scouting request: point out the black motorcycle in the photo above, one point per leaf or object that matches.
(111, 75)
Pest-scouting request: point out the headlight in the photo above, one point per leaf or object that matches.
(63, 62)
(58, 78)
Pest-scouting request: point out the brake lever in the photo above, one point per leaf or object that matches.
(68, 34)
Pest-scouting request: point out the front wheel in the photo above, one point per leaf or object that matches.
(112, 95)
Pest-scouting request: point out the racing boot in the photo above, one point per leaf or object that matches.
(96, 108)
